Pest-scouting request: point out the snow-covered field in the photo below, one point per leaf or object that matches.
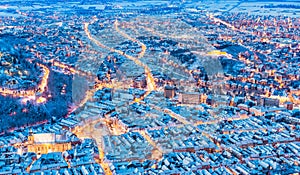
(257, 9)
(248, 7)
(9, 14)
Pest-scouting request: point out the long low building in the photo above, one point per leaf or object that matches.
(189, 98)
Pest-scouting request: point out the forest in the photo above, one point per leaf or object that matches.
(15, 114)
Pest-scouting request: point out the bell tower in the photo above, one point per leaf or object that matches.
(30, 137)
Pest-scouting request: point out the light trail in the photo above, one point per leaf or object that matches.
(100, 86)
(44, 82)
(147, 137)
(150, 80)
(72, 70)
(171, 113)
(88, 131)
(167, 36)
(282, 99)
(165, 61)
(143, 46)
(86, 30)
(182, 37)
(30, 93)
(182, 120)
(217, 53)
(150, 83)
(228, 24)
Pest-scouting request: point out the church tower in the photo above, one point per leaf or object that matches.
(30, 137)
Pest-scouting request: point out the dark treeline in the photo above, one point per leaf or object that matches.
(290, 6)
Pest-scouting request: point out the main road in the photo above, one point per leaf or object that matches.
(150, 80)
(30, 93)
(143, 46)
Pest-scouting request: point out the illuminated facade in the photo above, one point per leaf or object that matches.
(190, 98)
(43, 143)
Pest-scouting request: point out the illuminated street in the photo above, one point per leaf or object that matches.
(149, 87)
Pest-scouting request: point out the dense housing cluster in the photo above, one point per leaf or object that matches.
(149, 87)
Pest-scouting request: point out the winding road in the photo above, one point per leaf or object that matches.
(29, 93)
(143, 46)
(150, 80)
